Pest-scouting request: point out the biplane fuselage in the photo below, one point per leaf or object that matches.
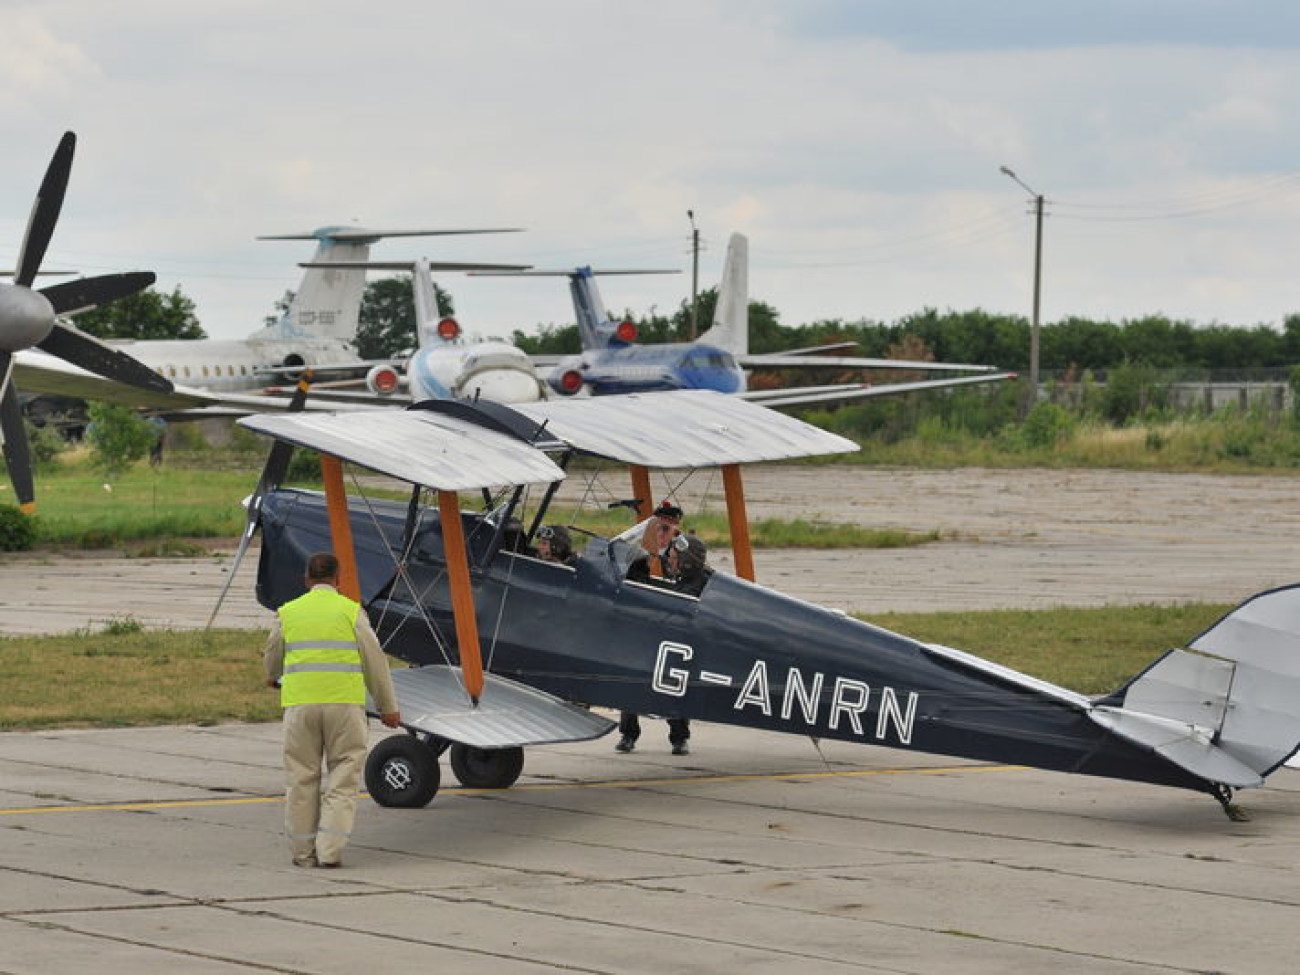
(738, 654)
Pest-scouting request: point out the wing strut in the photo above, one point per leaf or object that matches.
(336, 504)
(645, 501)
(462, 596)
(738, 521)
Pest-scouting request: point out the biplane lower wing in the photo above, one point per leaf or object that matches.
(510, 714)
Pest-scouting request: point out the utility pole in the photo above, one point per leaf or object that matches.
(695, 274)
(1038, 276)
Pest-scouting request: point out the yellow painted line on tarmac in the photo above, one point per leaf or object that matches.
(534, 787)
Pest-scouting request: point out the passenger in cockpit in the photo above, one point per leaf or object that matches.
(688, 563)
(555, 544)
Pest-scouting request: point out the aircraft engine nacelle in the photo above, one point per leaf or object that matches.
(382, 380)
(568, 383)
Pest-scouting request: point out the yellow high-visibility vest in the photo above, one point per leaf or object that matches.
(322, 663)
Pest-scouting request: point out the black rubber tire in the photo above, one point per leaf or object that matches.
(402, 773)
(486, 768)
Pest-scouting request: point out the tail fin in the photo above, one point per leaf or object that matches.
(730, 328)
(328, 301)
(596, 328)
(1228, 707)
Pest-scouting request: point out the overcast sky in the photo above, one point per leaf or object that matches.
(857, 144)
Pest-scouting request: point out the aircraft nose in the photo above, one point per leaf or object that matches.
(502, 386)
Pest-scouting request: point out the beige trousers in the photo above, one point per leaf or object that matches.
(322, 741)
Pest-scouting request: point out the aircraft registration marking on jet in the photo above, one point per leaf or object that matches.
(850, 699)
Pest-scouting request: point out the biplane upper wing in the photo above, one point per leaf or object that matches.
(682, 429)
(437, 451)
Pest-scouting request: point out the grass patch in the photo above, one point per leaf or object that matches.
(125, 676)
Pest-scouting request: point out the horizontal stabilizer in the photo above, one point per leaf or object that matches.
(1183, 744)
(508, 715)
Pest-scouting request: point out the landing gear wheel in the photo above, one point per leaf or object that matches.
(486, 768)
(402, 772)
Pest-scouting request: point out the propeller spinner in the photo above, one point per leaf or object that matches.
(29, 319)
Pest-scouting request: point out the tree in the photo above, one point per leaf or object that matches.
(386, 327)
(146, 314)
(119, 436)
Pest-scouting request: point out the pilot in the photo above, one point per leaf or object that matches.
(323, 655)
(555, 544)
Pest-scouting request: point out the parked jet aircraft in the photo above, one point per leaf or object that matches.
(1220, 715)
(444, 366)
(317, 330)
(29, 319)
(612, 362)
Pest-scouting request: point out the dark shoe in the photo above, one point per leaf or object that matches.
(308, 861)
(625, 744)
(334, 865)
(681, 748)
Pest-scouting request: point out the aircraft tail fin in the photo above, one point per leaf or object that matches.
(730, 328)
(1228, 707)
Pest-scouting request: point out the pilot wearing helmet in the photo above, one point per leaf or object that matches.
(555, 544)
(688, 563)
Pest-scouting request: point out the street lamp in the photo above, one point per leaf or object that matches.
(1038, 276)
(695, 271)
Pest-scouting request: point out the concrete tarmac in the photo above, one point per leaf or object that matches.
(161, 850)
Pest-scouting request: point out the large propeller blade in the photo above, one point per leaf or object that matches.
(87, 293)
(17, 453)
(273, 474)
(95, 356)
(45, 211)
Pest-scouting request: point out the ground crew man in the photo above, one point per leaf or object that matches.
(323, 655)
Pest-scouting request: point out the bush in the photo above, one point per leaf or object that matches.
(17, 530)
(1046, 426)
(46, 444)
(119, 436)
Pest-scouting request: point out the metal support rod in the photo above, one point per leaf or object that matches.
(695, 275)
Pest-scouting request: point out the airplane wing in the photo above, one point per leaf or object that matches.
(37, 372)
(440, 448)
(804, 359)
(687, 428)
(419, 446)
(849, 392)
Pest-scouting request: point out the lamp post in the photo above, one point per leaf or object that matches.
(1038, 276)
(695, 271)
